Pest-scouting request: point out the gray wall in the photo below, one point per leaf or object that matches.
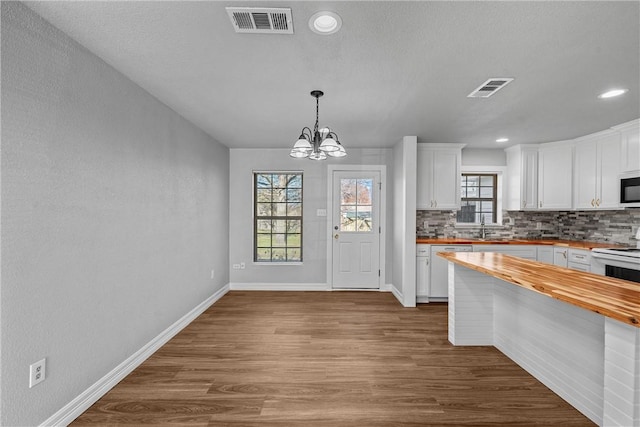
(114, 212)
(314, 267)
(483, 157)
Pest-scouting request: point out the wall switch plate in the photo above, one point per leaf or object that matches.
(213, 273)
(37, 372)
(236, 266)
(321, 212)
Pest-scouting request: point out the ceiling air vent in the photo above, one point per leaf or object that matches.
(261, 20)
(490, 87)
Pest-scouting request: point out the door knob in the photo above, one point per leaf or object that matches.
(336, 236)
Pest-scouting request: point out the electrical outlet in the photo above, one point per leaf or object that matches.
(539, 225)
(242, 266)
(425, 225)
(236, 266)
(213, 273)
(37, 372)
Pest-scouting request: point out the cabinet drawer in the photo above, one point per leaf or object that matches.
(423, 250)
(579, 256)
(580, 267)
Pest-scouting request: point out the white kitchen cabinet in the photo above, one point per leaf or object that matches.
(438, 174)
(596, 183)
(522, 177)
(439, 275)
(561, 256)
(555, 176)
(522, 251)
(423, 269)
(579, 259)
(545, 254)
(630, 145)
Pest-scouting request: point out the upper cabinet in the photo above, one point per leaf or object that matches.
(596, 171)
(438, 184)
(522, 177)
(581, 174)
(630, 145)
(555, 176)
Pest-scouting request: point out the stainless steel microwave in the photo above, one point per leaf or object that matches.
(630, 190)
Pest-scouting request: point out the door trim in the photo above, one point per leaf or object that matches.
(382, 169)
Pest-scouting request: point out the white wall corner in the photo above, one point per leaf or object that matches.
(82, 402)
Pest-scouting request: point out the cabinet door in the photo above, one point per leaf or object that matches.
(560, 257)
(529, 184)
(608, 186)
(545, 254)
(422, 277)
(585, 172)
(631, 149)
(446, 179)
(424, 196)
(555, 177)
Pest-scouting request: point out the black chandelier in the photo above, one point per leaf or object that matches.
(319, 143)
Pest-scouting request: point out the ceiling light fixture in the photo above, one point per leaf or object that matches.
(319, 143)
(325, 23)
(501, 140)
(612, 93)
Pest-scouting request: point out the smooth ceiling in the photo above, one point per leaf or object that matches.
(394, 69)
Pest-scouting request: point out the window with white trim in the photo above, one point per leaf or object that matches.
(277, 217)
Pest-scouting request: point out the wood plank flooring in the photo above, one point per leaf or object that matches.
(326, 359)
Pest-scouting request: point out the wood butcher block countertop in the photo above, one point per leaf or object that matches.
(577, 244)
(614, 298)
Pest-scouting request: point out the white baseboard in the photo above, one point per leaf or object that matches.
(279, 287)
(387, 287)
(396, 293)
(77, 406)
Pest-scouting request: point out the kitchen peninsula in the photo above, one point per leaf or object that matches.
(577, 332)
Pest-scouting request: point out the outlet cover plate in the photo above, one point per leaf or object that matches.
(37, 372)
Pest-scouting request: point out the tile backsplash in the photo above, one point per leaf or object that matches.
(615, 226)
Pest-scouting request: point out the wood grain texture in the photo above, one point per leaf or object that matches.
(614, 298)
(577, 244)
(326, 359)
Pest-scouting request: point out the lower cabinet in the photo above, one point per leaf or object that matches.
(561, 257)
(545, 254)
(439, 277)
(522, 251)
(423, 269)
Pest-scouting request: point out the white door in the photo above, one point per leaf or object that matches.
(356, 229)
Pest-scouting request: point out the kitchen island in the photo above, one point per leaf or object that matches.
(576, 332)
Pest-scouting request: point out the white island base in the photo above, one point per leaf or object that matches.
(591, 361)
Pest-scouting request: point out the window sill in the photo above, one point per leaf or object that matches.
(478, 226)
(277, 263)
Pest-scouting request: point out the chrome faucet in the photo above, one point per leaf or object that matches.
(483, 232)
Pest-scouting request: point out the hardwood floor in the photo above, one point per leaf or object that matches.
(326, 359)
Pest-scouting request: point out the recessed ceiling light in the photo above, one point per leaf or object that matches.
(501, 140)
(612, 93)
(325, 23)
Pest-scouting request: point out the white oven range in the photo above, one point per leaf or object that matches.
(621, 263)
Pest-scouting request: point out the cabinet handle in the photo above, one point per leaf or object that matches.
(598, 202)
(524, 203)
(426, 261)
(540, 203)
(593, 202)
(564, 254)
(436, 203)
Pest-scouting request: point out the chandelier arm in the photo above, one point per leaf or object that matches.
(308, 135)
